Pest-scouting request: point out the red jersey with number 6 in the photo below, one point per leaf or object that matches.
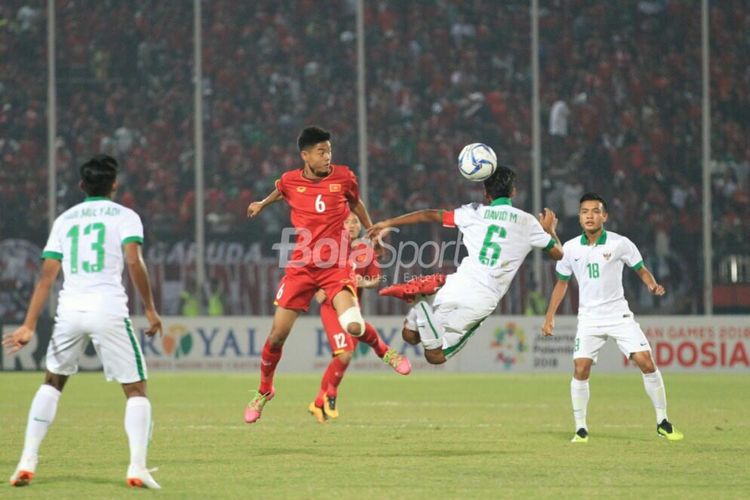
(318, 210)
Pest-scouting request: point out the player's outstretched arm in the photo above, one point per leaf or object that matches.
(21, 336)
(427, 215)
(649, 280)
(257, 207)
(139, 277)
(548, 220)
(558, 294)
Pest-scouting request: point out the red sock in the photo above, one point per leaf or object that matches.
(371, 338)
(333, 376)
(321, 393)
(268, 361)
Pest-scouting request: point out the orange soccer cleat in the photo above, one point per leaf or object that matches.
(421, 285)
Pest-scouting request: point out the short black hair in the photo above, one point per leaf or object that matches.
(311, 136)
(593, 197)
(98, 175)
(501, 183)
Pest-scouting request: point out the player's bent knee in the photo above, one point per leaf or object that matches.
(352, 321)
(411, 337)
(55, 380)
(344, 357)
(434, 356)
(135, 389)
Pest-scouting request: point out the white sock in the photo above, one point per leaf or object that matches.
(41, 415)
(654, 385)
(579, 395)
(138, 427)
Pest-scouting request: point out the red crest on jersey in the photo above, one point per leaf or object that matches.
(334, 188)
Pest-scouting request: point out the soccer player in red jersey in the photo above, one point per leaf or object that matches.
(367, 273)
(320, 196)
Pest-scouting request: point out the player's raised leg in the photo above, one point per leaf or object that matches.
(41, 415)
(283, 320)
(431, 331)
(654, 385)
(347, 308)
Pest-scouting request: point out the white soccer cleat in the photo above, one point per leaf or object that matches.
(141, 478)
(24, 473)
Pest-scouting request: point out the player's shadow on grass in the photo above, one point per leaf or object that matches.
(101, 480)
(442, 453)
(599, 436)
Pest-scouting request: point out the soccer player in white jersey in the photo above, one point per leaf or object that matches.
(90, 242)
(498, 237)
(596, 259)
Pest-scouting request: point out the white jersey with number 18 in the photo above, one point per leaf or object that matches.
(598, 270)
(88, 239)
(497, 237)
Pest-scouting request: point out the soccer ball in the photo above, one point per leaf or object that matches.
(477, 162)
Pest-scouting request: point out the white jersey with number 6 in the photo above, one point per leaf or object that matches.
(497, 237)
(88, 239)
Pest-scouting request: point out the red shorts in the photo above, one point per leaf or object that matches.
(299, 284)
(339, 340)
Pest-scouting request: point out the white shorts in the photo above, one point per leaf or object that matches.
(591, 337)
(113, 338)
(449, 318)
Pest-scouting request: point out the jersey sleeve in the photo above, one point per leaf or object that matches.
(630, 254)
(281, 186)
(563, 269)
(448, 217)
(463, 215)
(53, 249)
(352, 191)
(538, 237)
(131, 229)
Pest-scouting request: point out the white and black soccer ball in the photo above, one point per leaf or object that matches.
(477, 161)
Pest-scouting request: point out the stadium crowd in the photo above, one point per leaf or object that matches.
(621, 105)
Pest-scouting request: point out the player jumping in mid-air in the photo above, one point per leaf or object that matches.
(498, 237)
(90, 242)
(596, 259)
(367, 269)
(320, 196)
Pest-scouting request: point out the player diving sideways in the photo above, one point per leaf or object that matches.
(498, 237)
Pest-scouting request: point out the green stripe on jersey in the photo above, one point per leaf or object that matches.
(52, 255)
(450, 351)
(136, 348)
(637, 266)
(550, 245)
(131, 239)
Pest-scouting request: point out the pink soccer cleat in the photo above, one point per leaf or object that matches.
(255, 406)
(398, 362)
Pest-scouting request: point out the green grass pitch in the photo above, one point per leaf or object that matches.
(421, 436)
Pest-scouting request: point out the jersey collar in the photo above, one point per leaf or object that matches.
(501, 201)
(601, 241)
(95, 198)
